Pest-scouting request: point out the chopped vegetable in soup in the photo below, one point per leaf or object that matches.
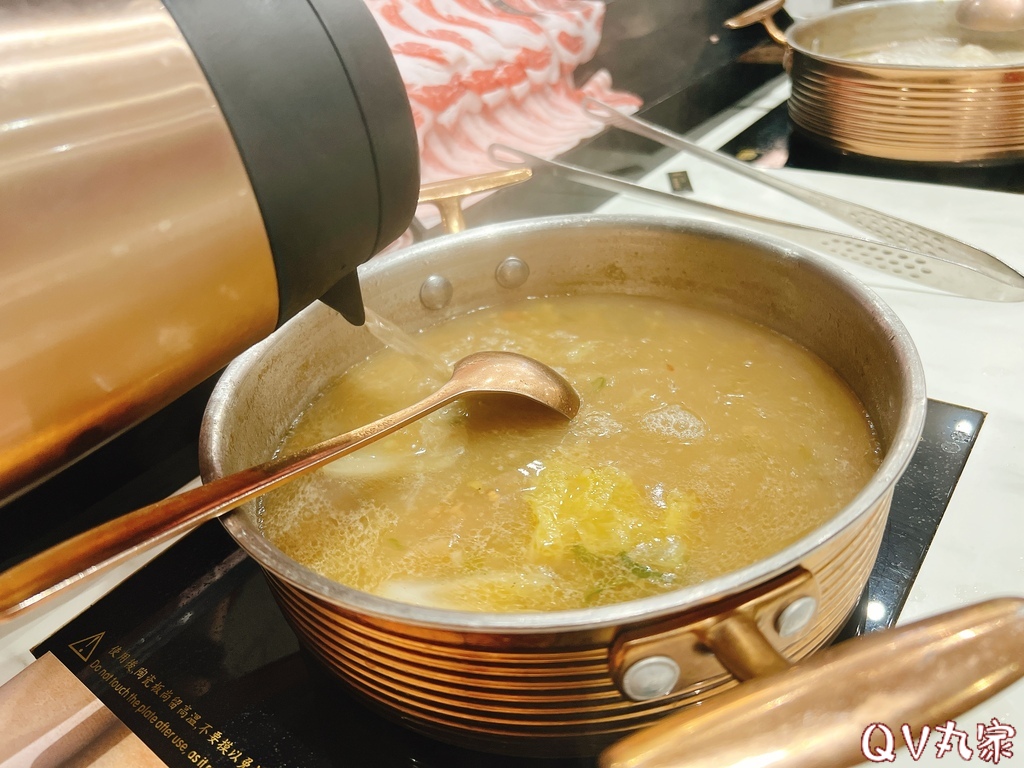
(704, 443)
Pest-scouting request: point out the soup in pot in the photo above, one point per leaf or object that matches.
(703, 444)
(942, 52)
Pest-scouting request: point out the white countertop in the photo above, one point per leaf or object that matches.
(973, 353)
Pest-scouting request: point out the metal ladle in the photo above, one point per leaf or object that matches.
(95, 550)
(991, 15)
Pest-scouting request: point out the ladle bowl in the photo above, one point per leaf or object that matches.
(991, 15)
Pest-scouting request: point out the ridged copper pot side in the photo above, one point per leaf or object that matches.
(989, 86)
(539, 700)
(968, 116)
(937, 112)
(995, 135)
(851, 132)
(926, 153)
(946, 112)
(848, 96)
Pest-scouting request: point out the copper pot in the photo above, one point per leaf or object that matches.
(944, 114)
(571, 681)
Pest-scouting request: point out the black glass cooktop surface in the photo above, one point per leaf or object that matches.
(193, 654)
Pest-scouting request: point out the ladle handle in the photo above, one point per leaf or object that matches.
(816, 714)
(944, 274)
(68, 563)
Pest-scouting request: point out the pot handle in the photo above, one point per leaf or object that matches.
(762, 13)
(820, 713)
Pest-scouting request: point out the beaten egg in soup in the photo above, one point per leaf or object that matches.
(703, 444)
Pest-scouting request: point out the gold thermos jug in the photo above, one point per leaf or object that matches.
(176, 180)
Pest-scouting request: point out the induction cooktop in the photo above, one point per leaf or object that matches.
(193, 655)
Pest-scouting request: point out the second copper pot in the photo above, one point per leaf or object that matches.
(923, 113)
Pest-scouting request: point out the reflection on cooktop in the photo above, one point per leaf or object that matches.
(193, 655)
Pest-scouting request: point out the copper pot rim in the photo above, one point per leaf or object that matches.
(911, 423)
(843, 14)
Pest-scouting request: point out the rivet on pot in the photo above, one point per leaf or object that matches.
(796, 616)
(436, 292)
(512, 272)
(650, 678)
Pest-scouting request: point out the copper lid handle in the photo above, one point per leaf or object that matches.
(815, 714)
(762, 13)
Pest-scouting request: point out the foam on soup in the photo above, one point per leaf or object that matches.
(704, 443)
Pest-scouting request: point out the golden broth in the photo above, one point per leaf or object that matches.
(704, 443)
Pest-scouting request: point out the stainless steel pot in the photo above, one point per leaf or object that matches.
(571, 681)
(946, 114)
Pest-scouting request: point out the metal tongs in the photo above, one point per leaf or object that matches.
(902, 249)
